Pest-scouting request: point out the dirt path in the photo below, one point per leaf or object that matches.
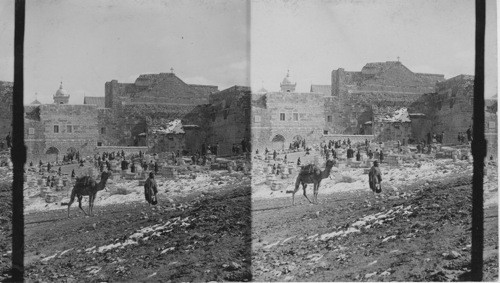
(418, 233)
(197, 239)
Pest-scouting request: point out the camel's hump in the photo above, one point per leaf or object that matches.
(309, 168)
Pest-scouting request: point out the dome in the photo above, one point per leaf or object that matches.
(61, 91)
(286, 79)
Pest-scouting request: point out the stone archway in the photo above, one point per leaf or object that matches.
(278, 142)
(52, 154)
(71, 152)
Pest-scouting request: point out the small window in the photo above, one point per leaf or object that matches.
(226, 113)
(31, 131)
(56, 128)
(256, 119)
(99, 143)
(69, 128)
(329, 118)
(325, 132)
(103, 130)
(282, 116)
(492, 125)
(295, 116)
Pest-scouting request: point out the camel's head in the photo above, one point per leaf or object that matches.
(105, 175)
(330, 163)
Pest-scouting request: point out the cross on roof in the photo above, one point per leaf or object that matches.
(398, 58)
(172, 70)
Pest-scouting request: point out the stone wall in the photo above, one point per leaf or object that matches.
(76, 130)
(280, 118)
(352, 111)
(449, 109)
(6, 91)
(166, 143)
(388, 77)
(229, 118)
(386, 131)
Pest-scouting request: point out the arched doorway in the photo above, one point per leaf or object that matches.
(52, 154)
(278, 142)
(71, 152)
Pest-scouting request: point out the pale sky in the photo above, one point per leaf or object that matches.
(86, 43)
(312, 38)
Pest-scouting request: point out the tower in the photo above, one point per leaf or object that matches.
(61, 96)
(286, 85)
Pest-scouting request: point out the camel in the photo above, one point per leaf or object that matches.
(312, 174)
(87, 186)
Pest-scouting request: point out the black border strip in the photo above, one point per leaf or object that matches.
(478, 147)
(18, 150)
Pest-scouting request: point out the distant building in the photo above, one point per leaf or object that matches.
(385, 101)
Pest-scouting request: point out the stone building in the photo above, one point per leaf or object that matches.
(381, 84)
(166, 136)
(229, 120)
(53, 130)
(280, 118)
(385, 101)
(164, 95)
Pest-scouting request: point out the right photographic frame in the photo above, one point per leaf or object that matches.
(363, 140)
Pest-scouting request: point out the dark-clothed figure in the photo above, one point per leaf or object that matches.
(350, 152)
(48, 167)
(274, 155)
(469, 135)
(73, 173)
(381, 156)
(375, 177)
(156, 167)
(358, 156)
(298, 161)
(8, 140)
(124, 165)
(150, 189)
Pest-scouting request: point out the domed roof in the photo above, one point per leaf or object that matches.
(286, 80)
(61, 91)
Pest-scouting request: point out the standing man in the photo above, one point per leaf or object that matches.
(469, 135)
(274, 155)
(375, 178)
(150, 189)
(381, 156)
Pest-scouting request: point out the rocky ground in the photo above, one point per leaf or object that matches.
(418, 229)
(199, 231)
(192, 239)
